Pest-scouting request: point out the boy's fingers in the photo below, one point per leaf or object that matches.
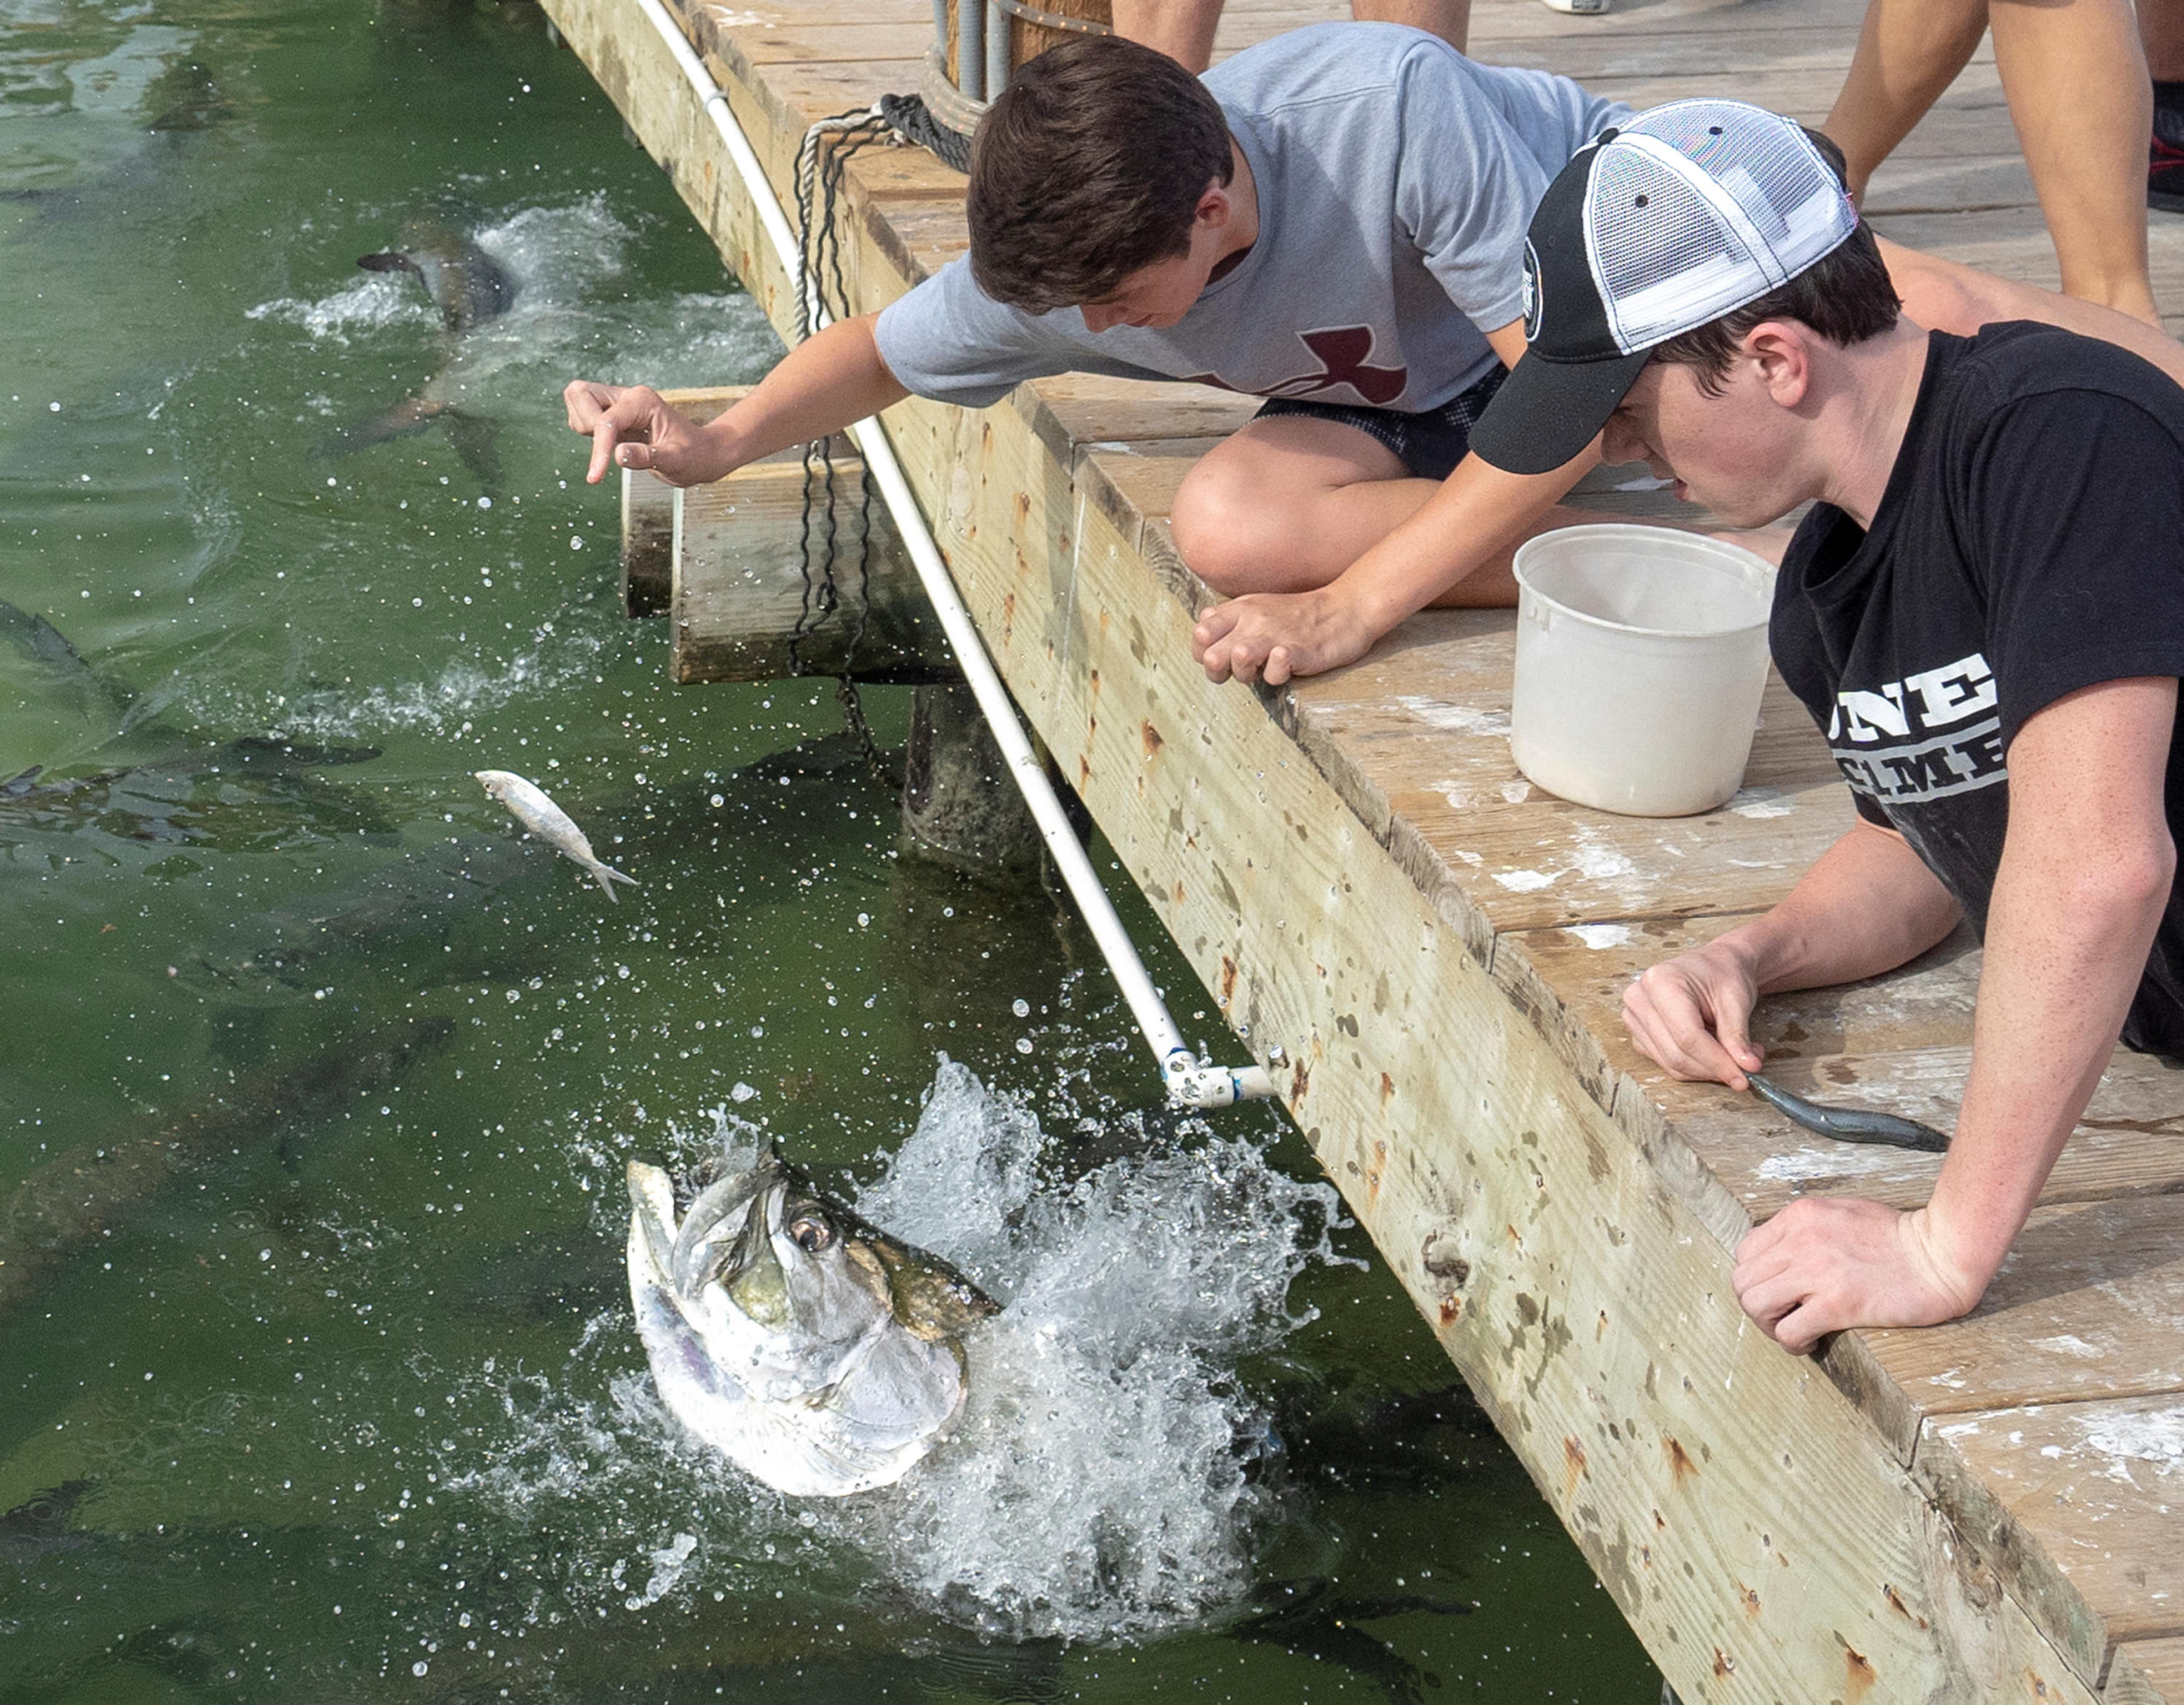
(603, 439)
(1277, 666)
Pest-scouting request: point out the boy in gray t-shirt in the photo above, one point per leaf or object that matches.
(1334, 220)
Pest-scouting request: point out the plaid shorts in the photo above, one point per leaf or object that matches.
(1429, 444)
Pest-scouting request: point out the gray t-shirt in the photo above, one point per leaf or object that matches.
(1396, 179)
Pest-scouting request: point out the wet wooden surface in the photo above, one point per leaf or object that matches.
(2037, 1447)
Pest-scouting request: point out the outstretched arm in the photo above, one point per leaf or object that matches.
(2086, 873)
(823, 386)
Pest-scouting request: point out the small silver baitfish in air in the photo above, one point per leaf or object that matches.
(528, 804)
(1848, 1124)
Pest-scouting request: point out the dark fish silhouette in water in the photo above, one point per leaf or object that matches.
(62, 1205)
(181, 101)
(65, 674)
(466, 284)
(39, 1524)
(185, 98)
(1848, 1124)
(1309, 1618)
(469, 287)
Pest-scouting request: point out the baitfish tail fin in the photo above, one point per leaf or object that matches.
(602, 872)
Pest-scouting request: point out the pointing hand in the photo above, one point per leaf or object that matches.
(631, 426)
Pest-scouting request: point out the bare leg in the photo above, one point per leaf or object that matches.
(1909, 52)
(1946, 296)
(2160, 29)
(1450, 19)
(2077, 81)
(1286, 505)
(1181, 29)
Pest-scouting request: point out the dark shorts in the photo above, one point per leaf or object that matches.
(1429, 444)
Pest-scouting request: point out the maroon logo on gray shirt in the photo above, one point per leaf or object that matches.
(1342, 352)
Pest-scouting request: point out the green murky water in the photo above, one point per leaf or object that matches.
(316, 1381)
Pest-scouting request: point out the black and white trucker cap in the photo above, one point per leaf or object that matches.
(1684, 214)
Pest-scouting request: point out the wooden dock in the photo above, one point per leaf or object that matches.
(1978, 1511)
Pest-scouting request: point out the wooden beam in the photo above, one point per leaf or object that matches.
(777, 572)
(648, 509)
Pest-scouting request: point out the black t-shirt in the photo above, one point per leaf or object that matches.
(2030, 542)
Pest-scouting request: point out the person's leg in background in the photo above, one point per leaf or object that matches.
(1450, 19)
(2076, 79)
(2161, 30)
(1183, 29)
(1909, 51)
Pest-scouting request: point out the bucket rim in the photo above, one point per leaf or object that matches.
(1625, 529)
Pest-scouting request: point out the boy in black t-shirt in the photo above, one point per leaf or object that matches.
(1984, 612)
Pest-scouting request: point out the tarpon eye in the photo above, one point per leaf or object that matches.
(812, 1235)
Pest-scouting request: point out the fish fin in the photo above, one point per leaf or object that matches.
(388, 260)
(411, 416)
(601, 873)
(477, 446)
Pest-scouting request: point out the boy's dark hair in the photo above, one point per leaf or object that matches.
(1087, 167)
(1846, 295)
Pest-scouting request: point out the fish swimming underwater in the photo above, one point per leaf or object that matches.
(469, 287)
(466, 284)
(528, 804)
(816, 1352)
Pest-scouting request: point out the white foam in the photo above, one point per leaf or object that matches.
(462, 688)
(1100, 1482)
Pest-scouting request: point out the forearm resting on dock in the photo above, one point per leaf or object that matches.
(1471, 523)
(2086, 870)
(1867, 906)
(827, 382)
(2085, 874)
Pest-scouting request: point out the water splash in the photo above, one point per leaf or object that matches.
(564, 261)
(462, 688)
(1102, 1482)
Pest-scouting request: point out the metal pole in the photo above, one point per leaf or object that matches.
(997, 49)
(971, 49)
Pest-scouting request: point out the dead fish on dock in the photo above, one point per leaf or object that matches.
(1847, 1124)
(816, 1352)
(528, 804)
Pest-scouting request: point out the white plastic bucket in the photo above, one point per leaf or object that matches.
(1641, 654)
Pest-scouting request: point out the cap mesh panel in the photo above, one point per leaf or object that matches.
(1673, 261)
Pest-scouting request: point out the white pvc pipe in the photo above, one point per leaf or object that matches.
(1189, 1082)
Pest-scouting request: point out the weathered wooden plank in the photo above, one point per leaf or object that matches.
(2130, 1140)
(775, 575)
(2146, 1673)
(648, 509)
(2094, 1487)
(1099, 413)
(2013, 242)
(2090, 1304)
